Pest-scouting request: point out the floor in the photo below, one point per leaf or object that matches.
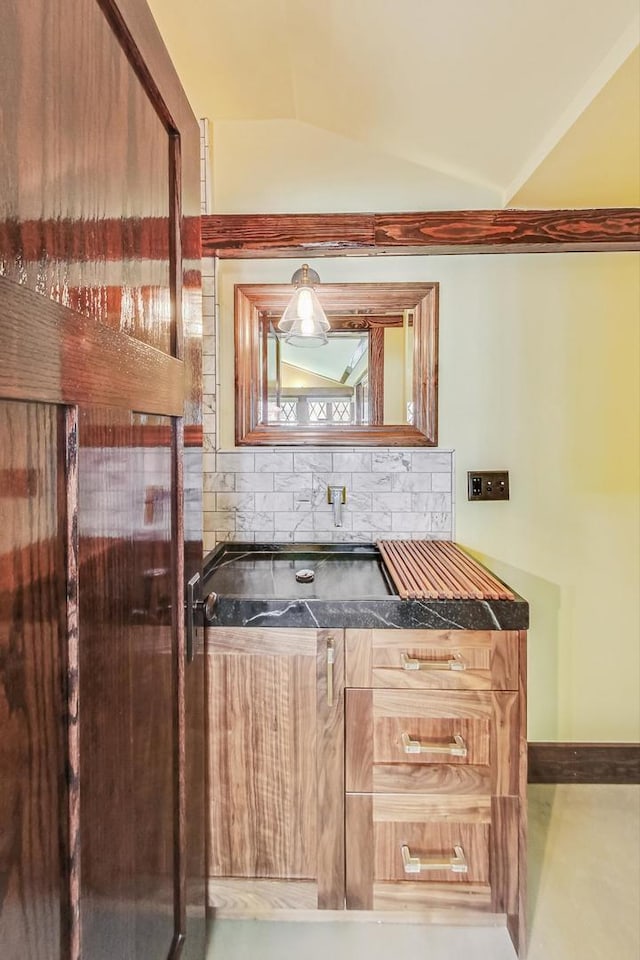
(584, 897)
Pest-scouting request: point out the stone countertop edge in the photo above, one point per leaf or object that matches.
(382, 613)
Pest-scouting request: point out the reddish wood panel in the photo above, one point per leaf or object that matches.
(127, 747)
(33, 821)
(234, 236)
(110, 160)
(51, 353)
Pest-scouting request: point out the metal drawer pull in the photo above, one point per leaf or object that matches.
(331, 659)
(456, 864)
(457, 748)
(410, 663)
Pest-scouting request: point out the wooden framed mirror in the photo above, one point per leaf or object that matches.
(374, 383)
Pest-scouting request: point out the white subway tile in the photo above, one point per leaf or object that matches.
(324, 521)
(314, 462)
(254, 481)
(352, 462)
(274, 501)
(440, 482)
(432, 462)
(297, 482)
(391, 501)
(379, 521)
(418, 522)
(235, 501)
(428, 502)
(413, 481)
(219, 521)
(219, 481)
(254, 521)
(391, 461)
(294, 521)
(373, 482)
(273, 462)
(235, 462)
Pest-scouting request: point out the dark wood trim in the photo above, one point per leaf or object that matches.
(237, 236)
(69, 451)
(52, 354)
(376, 376)
(584, 763)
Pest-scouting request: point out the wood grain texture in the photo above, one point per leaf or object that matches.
(360, 873)
(440, 778)
(56, 355)
(376, 376)
(432, 840)
(504, 854)
(70, 186)
(234, 236)
(438, 901)
(557, 762)
(330, 770)
(358, 741)
(128, 735)
(276, 755)
(517, 921)
(490, 659)
(232, 898)
(34, 919)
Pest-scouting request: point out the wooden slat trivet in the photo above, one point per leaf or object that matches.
(438, 570)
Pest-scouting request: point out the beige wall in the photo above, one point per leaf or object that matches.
(539, 359)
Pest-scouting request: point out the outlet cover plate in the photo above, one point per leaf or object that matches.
(488, 485)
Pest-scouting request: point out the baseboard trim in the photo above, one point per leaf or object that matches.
(584, 763)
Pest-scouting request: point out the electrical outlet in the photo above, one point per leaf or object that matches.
(488, 485)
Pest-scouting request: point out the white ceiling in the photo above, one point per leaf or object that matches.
(478, 89)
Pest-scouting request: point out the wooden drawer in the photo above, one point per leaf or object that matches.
(412, 836)
(405, 852)
(433, 659)
(391, 734)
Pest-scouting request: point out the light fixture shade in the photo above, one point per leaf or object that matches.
(304, 321)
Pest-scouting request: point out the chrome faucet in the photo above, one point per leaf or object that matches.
(336, 496)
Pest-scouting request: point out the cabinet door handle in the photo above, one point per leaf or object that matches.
(455, 864)
(331, 659)
(411, 663)
(457, 747)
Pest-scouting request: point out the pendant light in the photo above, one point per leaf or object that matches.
(304, 322)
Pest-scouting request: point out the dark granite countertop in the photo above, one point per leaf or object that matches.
(254, 585)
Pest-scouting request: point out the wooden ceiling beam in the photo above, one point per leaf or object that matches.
(247, 236)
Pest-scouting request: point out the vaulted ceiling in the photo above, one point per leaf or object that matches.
(482, 90)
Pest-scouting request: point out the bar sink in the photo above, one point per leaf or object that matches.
(306, 571)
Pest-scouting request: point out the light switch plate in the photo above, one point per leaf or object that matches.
(488, 485)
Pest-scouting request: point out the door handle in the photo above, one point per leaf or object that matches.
(193, 604)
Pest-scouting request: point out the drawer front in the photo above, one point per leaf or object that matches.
(390, 734)
(405, 852)
(433, 659)
(446, 852)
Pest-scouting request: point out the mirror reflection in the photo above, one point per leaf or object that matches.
(362, 375)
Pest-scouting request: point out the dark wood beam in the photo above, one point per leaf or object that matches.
(584, 763)
(238, 236)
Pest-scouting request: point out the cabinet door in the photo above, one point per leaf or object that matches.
(275, 700)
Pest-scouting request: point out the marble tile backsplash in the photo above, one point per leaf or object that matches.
(281, 494)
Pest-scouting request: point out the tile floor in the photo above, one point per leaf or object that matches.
(584, 897)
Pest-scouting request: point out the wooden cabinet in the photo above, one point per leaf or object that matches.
(276, 716)
(434, 772)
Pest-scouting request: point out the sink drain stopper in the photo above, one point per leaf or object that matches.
(305, 576)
